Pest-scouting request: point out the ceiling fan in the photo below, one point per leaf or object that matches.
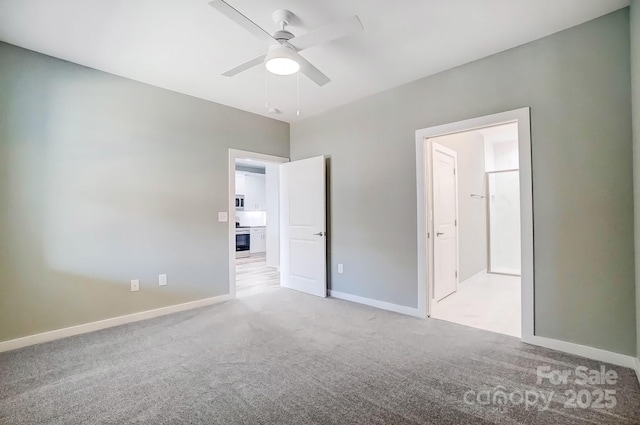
(283, 57)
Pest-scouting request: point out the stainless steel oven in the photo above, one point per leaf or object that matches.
(243, 242)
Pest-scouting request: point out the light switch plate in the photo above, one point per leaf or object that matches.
(223, 216)
(340, 268)
(162, 279)
(135, 285)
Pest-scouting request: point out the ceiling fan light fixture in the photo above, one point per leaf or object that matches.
(280, 61)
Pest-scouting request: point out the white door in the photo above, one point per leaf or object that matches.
(302, 215)
(445, 221)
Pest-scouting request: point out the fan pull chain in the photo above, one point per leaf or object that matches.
(298, 93)
(266, 89)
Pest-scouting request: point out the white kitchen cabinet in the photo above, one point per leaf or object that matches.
(254, 192)
(258, 242)
(240, 183)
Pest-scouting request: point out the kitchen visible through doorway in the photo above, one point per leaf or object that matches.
(257, 234)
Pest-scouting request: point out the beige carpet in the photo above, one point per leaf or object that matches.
(282, 357)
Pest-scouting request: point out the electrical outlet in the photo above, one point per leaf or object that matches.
(162, 279)
(340, 268)
(135, 285)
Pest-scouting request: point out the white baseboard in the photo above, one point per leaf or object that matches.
(410, 311)
(566, 347)
(106, 323)
(584, 351)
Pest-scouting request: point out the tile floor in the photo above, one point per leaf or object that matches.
(484, 301)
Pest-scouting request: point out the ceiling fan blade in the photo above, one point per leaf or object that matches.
(249, 64)
(242, 20)
(327, 33)
(311, 71)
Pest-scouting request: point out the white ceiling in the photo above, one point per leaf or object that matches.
(184, 45)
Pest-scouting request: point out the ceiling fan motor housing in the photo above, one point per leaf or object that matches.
(283, 35)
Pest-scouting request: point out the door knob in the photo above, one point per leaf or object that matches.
(319, 234)
(439, 234)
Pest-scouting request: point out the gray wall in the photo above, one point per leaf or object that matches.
(635, 82)
(103, 180)
(472, 212)
(577, 84)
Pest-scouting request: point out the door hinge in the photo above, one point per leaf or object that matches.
(455, 222)
(454, 171)
(456, 273)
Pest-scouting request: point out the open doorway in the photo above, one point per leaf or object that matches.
(476, 216)
(475, 220)
(254, 223)
(277, 237)
(257, 226)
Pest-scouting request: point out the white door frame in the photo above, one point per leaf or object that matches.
(423, 180)
(233, 155)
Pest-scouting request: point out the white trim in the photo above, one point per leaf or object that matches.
(233, 155)
(584, 351)
(106, 323)
(410, 311)
(526, 205)
(423, 259)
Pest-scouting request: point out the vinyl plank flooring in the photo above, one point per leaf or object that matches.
(254, 276)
